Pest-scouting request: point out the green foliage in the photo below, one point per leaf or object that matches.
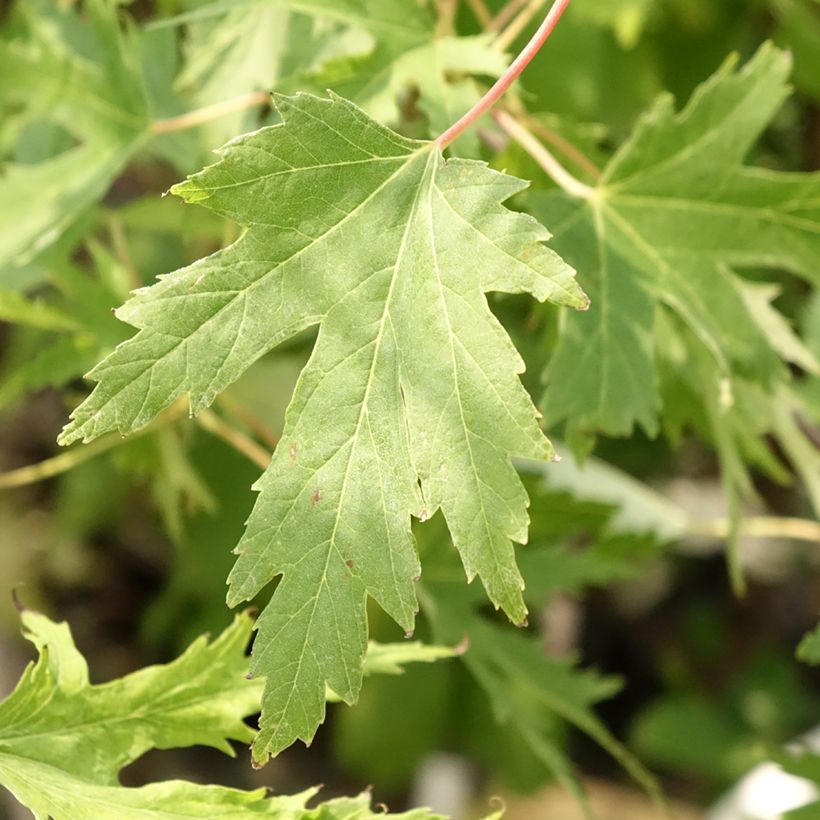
(673, 213)
(809, 649)
(85, 79)
(411, 217)
(361, 306)
(64, 740)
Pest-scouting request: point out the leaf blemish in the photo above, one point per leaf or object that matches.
(316, 497)
(294, 451)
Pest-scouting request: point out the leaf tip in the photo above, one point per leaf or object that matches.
(190, 191)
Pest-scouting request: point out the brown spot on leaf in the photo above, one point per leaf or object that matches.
(316, 497)
(349, 563)
(294, 451)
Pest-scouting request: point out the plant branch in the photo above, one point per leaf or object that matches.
(446, 23)
(507, 78)
(210, 421)
(506, 14)
(536, 149)
(210, 112)
(798, 529)
(58, 464)
(62, 463)
(519, 24)
(246, 417)
(481, 12)
(563, 146)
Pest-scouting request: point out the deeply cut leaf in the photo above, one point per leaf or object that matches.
(64, 740)
(410, 402)
(674, 213)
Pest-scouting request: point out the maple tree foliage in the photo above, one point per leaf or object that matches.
(341, 220)
(200, 698)
(410, 402)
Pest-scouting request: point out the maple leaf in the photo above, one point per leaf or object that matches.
(409, 404)
(674, 215)
(63, 740)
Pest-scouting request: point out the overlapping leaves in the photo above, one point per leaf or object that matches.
(366, 50)
(64, 740)
(81, 82)
(410, 403)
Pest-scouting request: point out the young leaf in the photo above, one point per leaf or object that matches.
(675, 211)
(63, 740)
(410, 402)
(57, 718)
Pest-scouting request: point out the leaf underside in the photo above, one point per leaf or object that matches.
(410, 403)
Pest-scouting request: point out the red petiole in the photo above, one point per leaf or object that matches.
(508, 78)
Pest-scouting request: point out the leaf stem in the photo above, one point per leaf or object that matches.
(538, 151)
(506, 14)
(511, 33)
(481, 12)
(764, 526)
(210, 421)
(62, 463)
(446, 24)
(210, 112)
(249, 419)
(507, 78)
(563, 146)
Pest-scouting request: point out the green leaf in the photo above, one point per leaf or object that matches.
(57, 718)
(85, 78)
(17, 309)
(377, 81)
(808, 650)
(675, 211)
(51, 366)
(259, 47)
(527, 688)
(64, 740)
(409, 404)
(626, 18)
(401, 52)
(391, 658)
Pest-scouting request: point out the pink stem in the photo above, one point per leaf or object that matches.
(508, 78)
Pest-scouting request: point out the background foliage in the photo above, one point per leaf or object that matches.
(695, 416)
